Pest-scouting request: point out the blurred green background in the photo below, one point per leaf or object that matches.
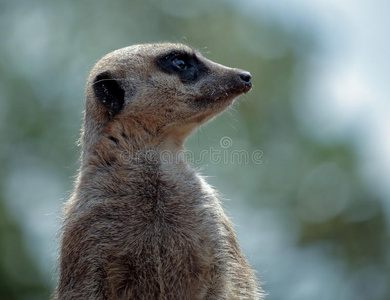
(310, 218)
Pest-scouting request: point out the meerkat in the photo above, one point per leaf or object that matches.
(138, 226)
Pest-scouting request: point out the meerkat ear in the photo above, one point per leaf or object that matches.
(108, 92)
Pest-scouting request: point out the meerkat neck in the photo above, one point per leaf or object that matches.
(127, 142)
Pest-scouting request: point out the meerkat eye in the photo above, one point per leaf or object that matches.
(186, 65)
(180, 64)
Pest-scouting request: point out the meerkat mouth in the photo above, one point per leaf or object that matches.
(231, 92)
(239, 84)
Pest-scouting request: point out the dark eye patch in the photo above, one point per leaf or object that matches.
(185, 65)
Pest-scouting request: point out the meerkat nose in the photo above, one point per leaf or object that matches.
(245, 78)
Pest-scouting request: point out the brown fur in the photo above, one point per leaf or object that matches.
(138, 227)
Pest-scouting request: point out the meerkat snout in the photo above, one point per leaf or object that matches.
(246, 79)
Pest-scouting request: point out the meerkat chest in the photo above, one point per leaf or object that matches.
(176, 196)
(147, 197)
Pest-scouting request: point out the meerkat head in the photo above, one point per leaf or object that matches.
(162, 89)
